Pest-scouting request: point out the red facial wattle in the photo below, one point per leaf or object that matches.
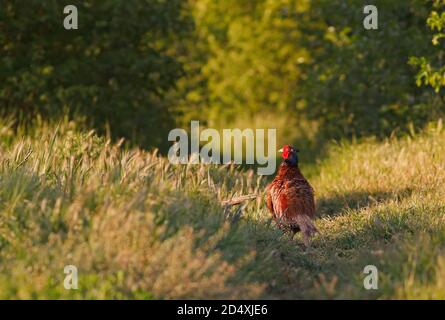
(286, 152)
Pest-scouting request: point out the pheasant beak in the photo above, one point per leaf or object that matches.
(281, 150)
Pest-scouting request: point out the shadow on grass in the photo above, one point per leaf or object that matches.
(336, 204)
(285, 267)
(270, 258)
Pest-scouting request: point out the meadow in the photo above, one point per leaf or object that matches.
(137, 226)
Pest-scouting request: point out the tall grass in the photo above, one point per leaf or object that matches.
(138, 227)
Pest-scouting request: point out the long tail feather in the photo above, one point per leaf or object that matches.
(307, 227)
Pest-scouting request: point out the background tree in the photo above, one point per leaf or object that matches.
(428, 74)
(358, 80)
(115, 69)
(145, 67)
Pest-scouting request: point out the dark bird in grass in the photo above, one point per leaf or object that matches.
(290, 197)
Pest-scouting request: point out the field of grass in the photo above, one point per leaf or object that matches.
(137, 227)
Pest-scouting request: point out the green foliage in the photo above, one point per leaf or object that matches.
(115, 69)
(253, 53)
(429, 75)
(312, 61)
(140, 68)
(358, 82)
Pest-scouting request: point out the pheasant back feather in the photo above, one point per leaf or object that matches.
(290, 198)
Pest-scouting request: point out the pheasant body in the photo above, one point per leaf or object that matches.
(290, 198)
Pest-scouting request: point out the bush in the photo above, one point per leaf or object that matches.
(115, 70)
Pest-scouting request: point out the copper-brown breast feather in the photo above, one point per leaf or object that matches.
(290, 195)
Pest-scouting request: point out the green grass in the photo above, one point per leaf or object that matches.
(139, 227)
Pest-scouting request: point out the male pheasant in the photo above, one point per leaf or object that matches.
(290, 197)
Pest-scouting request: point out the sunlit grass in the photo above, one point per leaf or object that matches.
(138, 227)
